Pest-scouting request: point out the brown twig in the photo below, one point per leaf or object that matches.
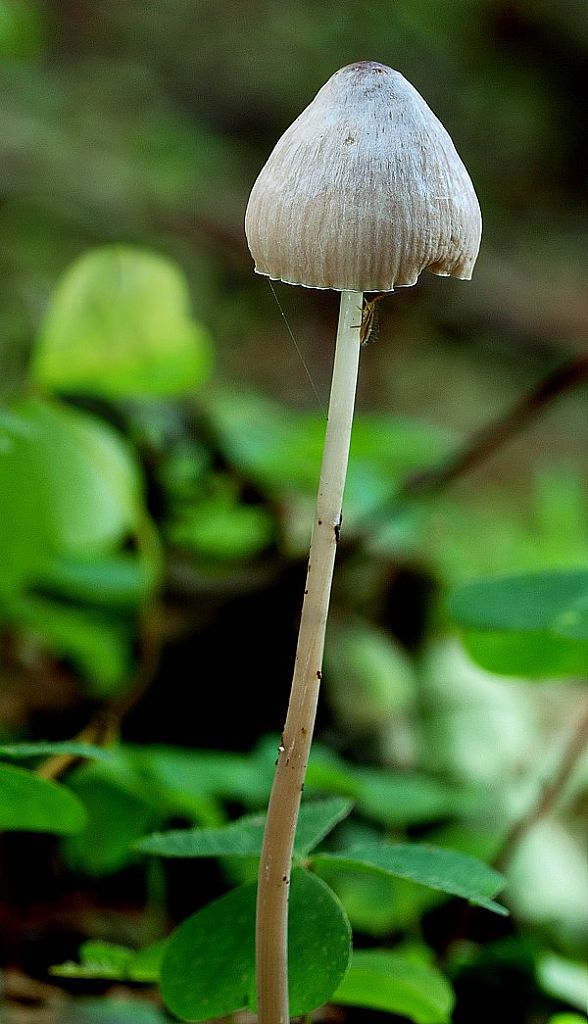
(488, 439)
(550, 795)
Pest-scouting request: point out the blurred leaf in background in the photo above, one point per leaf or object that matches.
(119, 324)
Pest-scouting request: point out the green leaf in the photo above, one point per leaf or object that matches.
(25, 750)
(98, 960)
(119, 324)
(106, 960)
(319, 943)
(146, 963)
(31, 804)
(183, 777)
(208, 965)
(567, 1018)
(392, 982)
(243, 837)
(219, 527)
(68, 488)
(117, 815)
(317, 819)
(534, 624)
(546, 602)
(113, 580)
(445, 870)
(531, 655)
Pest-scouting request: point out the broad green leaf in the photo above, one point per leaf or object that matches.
(106, 960)
(117, 816)
(113, 580)
(541, 602)
(17, 751)
(392, 982)
(31, 804)
(68, 488)
(532, 655)
(244, 837)
(446, 870)
(119, 324)
(319, 943)
(208, 964)
(535, 624)
(220, 527)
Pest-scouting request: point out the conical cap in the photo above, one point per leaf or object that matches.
(364, 191)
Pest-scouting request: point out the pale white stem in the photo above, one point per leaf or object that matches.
(280, 829)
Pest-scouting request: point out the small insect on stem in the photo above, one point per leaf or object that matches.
(369, 319)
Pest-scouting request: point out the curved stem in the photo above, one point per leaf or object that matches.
(573, 750)
(282, 817)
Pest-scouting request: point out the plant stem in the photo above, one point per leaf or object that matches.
(282, 817)
(548, 798)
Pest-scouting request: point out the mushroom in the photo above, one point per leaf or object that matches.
(362, 192)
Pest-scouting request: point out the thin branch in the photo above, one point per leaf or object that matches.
(488, 439)
(550, 795)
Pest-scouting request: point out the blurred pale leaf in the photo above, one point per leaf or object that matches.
(119, 324)
(564, 979)
(68, 487)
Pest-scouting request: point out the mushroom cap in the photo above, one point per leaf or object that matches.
(364, 191)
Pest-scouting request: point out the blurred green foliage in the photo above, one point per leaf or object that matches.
(159, 450)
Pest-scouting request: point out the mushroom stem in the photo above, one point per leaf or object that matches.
(284, 804)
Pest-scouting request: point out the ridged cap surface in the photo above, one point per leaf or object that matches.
(364, 191)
